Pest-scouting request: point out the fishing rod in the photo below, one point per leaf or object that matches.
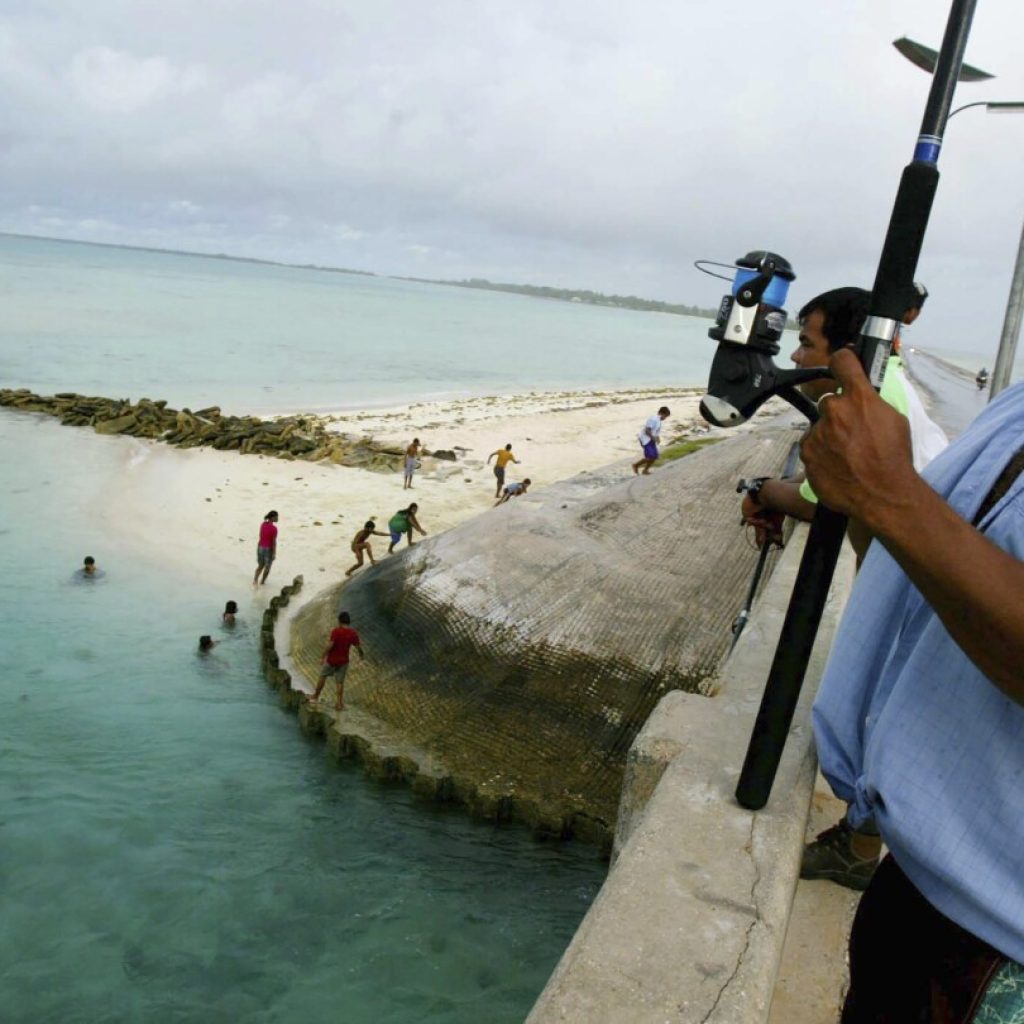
(740, 621)
(892, 293)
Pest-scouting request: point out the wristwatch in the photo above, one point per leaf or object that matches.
(754, 488)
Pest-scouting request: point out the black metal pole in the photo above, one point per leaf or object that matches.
(889, 300)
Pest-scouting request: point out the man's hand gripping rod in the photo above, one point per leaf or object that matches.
(889, 298)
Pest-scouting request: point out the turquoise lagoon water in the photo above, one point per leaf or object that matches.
(257, 338)
(172, 848)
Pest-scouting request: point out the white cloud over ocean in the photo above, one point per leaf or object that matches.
(577, 144)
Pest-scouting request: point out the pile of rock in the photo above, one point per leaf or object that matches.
(289, 437)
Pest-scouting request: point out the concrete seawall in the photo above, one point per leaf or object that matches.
(691, 922)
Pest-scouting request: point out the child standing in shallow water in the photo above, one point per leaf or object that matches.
(361, 544)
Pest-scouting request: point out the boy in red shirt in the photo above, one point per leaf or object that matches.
(335, 659)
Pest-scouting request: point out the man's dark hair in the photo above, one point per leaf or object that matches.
(665, 410)
(508, 447)
(344, 618)
(844, 311)
(88, 560)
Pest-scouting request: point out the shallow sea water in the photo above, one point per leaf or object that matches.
(262, 338)
(172, 848)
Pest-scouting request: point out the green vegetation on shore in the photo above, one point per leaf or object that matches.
(683, 446)
(585, 295)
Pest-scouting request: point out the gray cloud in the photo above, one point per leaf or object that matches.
(574, 144)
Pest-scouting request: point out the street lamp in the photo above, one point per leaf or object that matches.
(993, 108)
(926, 59)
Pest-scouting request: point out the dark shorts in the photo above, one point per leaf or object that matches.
(908, 962)
(499, 472)
(650, 450)
(335, 672)
(264, 557)
(396, 536)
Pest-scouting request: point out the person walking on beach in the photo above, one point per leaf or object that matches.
(412, 462)
(404, 521)
(512, 490)
(502, 457)
(335, 659)
(266, 549)
(361, 545)
(648, 437)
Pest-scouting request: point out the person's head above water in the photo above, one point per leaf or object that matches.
(206, 643)
(230, 611)
(89, 564)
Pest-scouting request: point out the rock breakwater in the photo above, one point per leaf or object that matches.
(304, 437)
(519, 653)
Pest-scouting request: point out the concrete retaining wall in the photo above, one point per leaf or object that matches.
(690, 924)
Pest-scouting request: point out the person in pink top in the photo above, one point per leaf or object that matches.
(266, 549)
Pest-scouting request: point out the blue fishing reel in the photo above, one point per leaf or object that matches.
(750, 323)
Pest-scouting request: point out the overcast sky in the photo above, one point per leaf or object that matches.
(582, 144)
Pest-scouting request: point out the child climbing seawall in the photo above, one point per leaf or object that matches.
(513, 490)
(335, 659)
(404, 521)
(266, 548)
(361, 545)
(503, 456)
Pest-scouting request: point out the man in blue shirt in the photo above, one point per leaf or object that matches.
(919, 722)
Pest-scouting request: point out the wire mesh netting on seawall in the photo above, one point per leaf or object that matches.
(520, 652)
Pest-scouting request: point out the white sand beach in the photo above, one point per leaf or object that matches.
(203, 507)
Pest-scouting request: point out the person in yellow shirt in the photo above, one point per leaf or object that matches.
(502, 457)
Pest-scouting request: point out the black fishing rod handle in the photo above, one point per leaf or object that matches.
(782, 691)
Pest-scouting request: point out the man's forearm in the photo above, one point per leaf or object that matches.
(784, 496)
(975, 587)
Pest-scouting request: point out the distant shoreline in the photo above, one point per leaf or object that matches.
(585, 296)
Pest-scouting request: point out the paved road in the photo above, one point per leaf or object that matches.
(951, 394)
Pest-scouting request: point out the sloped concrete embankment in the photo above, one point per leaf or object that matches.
(512, 660)
(690, 923)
